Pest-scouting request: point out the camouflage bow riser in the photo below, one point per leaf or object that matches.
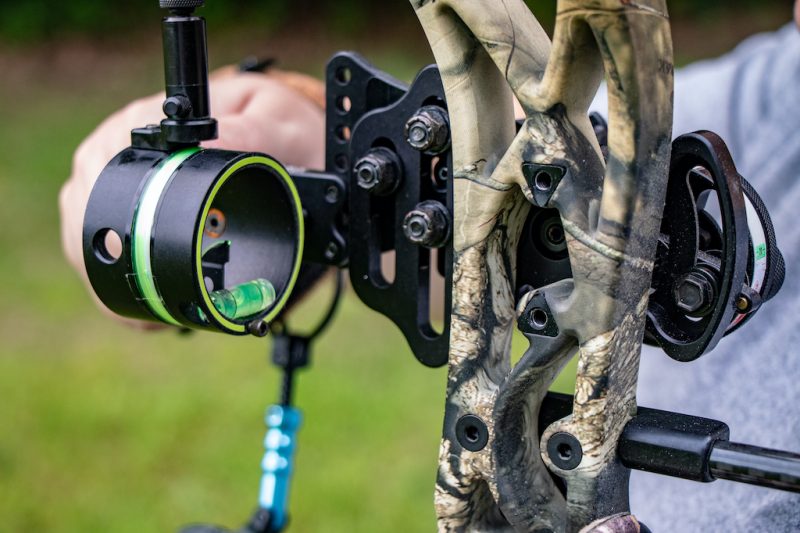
(611, 214)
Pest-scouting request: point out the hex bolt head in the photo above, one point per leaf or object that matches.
(378, 172)
(565, 451)
(428, 225)
(695, 293)
(429, 130)
(258, 328)
(177, 107)
(472, 433)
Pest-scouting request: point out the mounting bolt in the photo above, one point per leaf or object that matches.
(331, 251)
(378, 172)
(258, 328)
(429, 130)
(177, 107)
(472, 433)
(743, 304)
(565, 451)
(428, 225)
(332, 194)
(695, 292)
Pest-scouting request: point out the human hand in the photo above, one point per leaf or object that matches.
(797, 12)
(619, 523)
(279, 113)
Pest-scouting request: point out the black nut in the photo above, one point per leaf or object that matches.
(429, 130)
(378, 172)
(428, 225)
(695, 292)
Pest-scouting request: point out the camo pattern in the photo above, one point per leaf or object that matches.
(487, 51)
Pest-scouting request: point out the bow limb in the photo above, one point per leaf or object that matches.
(527, 494)
(611, 217)
(487, 221)
(481, 48)
(612, 247)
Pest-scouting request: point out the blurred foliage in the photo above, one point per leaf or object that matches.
(33, 20)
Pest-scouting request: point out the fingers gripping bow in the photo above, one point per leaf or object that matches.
(611, 215)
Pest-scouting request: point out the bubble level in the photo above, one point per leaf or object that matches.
(245, 300)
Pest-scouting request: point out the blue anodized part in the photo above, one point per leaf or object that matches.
(280, 442)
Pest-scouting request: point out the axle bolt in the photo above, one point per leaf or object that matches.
(565, 451)
(429, 130)
(695, 292)
(378, 172)
(428, 225)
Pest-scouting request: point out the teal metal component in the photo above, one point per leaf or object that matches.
(283, 423)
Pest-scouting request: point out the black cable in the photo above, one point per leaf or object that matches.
(326, 320)
(298, 346)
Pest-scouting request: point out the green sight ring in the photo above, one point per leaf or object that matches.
(197, 228)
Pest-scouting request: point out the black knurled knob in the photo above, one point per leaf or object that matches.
(181, 4)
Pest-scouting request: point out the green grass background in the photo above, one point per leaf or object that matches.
(107, 429)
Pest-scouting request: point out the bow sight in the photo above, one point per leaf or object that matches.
(216, 240)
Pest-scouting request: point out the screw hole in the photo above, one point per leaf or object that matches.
(344, 104)
(564, 451)
(543, 180)
(331, 194)
(417, 228)
(555, 234)
(539, 318)
(215, 223)
(367, 175)
(471, 433)
(344, 75)
(342, 163)
(343, 134)
(107, 246)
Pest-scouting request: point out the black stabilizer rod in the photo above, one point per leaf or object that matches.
(689, 447)
(756, 466)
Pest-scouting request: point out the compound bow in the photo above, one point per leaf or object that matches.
(552, 224)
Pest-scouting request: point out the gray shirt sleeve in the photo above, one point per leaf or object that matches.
(741, 95)
(750, 97)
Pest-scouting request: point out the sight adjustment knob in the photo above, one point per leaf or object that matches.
(181, 4)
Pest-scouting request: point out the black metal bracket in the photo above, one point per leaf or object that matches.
(324, 200)
(376, 222)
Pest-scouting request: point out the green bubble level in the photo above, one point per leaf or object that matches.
(245, 300)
